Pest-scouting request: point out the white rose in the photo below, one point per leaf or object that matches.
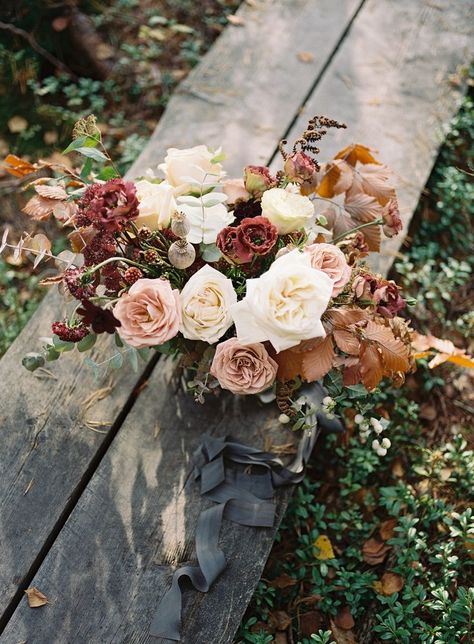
(288, 211)
(157, 204)
(191, 167)
(206, 301)
(285, 304)
(206, 215)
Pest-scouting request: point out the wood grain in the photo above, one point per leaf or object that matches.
(391, 83)
(243, 95)
(136, 522)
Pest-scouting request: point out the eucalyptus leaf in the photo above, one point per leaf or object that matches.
(116, 361)
(210, 252)
(87, 342)
(133, 359)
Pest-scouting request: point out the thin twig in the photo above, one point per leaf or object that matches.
(37, 47)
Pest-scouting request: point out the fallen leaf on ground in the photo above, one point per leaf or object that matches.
(283, 581)
(35, 597)
(310, 623)
(374, 552)
(280, 620)
(387, 529)
(344, 619)
(324, 546)
(236, 20)
(305, 56)
(342, 636)
(389, 583)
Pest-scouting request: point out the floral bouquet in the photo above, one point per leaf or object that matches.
(257, 284)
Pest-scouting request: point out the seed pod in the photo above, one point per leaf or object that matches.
(180, 225)
(181, 254)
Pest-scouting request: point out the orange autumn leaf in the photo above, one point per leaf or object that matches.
(319, 360)
(393, 352)
(347, 342)
(18, 167)
(371, 367)
(337, 178)
(356, 152)
(290, 364)
(448, 352)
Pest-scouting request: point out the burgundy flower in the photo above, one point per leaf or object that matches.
(258, 234)
(254, 236)
(392, 222)
(101, 320)
(108, 206)
(78, 283)
(257, 179)
(385, 294)
(299, 167)
(100, 248)
(250, 208)
(70, 332)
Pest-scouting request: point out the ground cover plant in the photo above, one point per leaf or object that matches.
(380, 548)
(142, 49)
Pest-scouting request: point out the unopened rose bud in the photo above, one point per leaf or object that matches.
(392, 223)
(299, 167)
(257, 179)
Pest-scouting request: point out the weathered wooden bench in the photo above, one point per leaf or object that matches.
(97, 505)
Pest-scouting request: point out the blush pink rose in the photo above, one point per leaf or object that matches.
(330, 260)
(243, 369)
(150, 313)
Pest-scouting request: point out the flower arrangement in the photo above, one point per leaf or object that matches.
(258, 284)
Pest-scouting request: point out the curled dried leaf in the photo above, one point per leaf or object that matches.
(35, 597)
(318, 362)
(51, 192)
(19, 167)
(356, 152)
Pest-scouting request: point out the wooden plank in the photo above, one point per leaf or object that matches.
(247, 89)
(246, 104)
(136, 522)
(390, 83)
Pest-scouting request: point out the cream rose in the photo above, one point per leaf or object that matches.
(207, 216)
(149, 313)
(191, 168)
(156, 204)
(206, 301)
(286, 210)
(285, 304)
(331, 260)
(243, 369)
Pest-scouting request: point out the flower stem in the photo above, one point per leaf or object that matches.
(376, 222)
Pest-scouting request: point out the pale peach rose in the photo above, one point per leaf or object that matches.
(243, 369)
(330, 260)
(150, 313)
(235, 189)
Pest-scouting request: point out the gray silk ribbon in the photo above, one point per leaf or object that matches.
(242, 481)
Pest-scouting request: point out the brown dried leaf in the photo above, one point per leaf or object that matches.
(394, 352)
(340, 635)
(51, 192)
(347, 342)
(387, 529)
(374, 551)
(290, 364)
(373, 179)
(283, 581)
(344, 317)
(371, 367)
(237, 21)
(356, 152)
(18, 167)
(318, 362)
(363, 209)
(336, 178)
(389, 583)
(310, 623)
(35, 597)
(280, 620)
(39, 208)
(344, 619)
(305, 56)
(351, 375)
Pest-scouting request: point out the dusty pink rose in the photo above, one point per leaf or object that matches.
(150, 313)
(332, 261)
(243, 369)
(235, 189)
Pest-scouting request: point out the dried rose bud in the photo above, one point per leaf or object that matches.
(257, 179)
(181, 254)
(180, 225)
(392, 223)
(299, 167)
